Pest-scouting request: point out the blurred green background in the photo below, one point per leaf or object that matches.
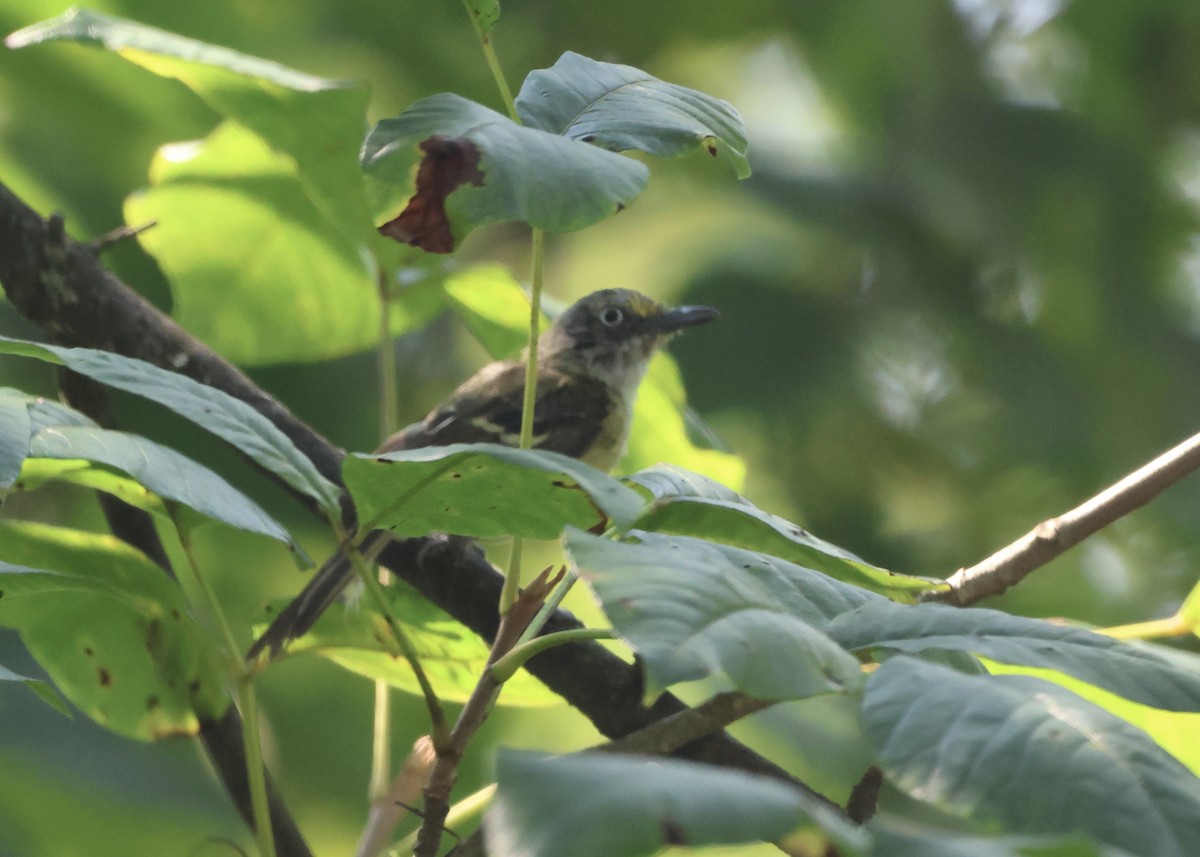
(960, 295)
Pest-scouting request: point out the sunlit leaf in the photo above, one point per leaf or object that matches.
(619, 107)
(452, 655)
(112, 631)
(317, 122)
(214, 410)
(1029, 755)
(691, 504)
(255, 269)
(537, 811)
(1176, 732)
(483, 490)
(692, 609)
(447, 165)
(1133, 672)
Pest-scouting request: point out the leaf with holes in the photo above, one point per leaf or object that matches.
(483, 490)
(112, 631)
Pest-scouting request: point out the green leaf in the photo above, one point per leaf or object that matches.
(214, 410)
(317, 122)
(1029, 755)
(690, 504)
(241, 242)
(692, 609)
(452, 655)
(112, 631)
(447, 165)
(1133, 672)
(619, 107)
(494, 307)
(904, 837)
(15, 429)
(483, 490)
(165, 472)
(636, 805)
(43, 690)
(38, 471)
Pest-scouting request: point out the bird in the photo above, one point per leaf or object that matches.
(590, 362)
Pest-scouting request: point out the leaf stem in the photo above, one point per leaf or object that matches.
(381, 734)
(489, 53)
(246, 699)
(1172, 626)
(504, 668)
(512, 575)
(439, 729)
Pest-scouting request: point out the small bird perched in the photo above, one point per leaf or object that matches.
(590, 363)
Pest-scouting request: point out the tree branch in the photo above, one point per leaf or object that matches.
(1055, 536)
(58, 283)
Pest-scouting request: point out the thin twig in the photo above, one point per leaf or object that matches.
(478, 706)
(389, 808)
(670, 733)
(1055, 536)
(116, 236)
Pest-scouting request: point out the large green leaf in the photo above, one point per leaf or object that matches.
(691, 609)
(452, 655)
(690, 504)
(242, 245)
(214, 410)
(483, 490)
(319, 123)
(111, 629)
(896, 836)
(1133, 672)
(619, 107)
(165, 472)
(446, 166)
(1029, 755)
(634, 805)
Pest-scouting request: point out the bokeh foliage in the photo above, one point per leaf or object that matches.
(959, 291)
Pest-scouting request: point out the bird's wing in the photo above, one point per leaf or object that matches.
(569, 415)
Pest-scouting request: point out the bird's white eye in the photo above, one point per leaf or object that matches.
(611, 317)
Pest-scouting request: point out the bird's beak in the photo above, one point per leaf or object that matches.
(678, 318)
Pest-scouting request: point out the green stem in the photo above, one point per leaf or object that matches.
(489, 53)
(512, 576)
(503, 669)
(381, 733)
(247, 701)
(548, 608)
(439, 728)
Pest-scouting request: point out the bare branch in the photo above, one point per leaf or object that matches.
(1055, 536)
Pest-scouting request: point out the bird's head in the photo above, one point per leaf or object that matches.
(611, 335)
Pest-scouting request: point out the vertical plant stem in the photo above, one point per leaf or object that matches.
(246, 700)
(512, 576)
(381, 732)
(489, 53)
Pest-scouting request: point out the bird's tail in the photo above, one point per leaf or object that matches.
(326, 585)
